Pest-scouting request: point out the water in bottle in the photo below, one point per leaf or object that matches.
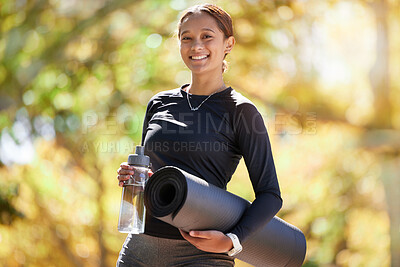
(132, 210)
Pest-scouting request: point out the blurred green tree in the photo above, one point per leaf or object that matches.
(75, 78)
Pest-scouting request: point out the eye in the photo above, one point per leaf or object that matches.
(207, 36)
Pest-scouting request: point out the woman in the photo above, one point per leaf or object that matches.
(204, 128)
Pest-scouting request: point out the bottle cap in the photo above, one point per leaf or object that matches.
(139, 158)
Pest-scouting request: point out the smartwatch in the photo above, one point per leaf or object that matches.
(237, 247)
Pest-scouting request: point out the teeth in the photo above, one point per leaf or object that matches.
(199, 57)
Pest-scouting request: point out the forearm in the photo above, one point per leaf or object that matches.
(261, 211)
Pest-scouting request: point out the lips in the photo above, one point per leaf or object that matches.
(199, 57)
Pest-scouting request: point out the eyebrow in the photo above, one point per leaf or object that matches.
(203, 29)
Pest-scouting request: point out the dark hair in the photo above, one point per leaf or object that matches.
(223, 19)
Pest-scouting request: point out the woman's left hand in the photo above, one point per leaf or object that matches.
(210, 241)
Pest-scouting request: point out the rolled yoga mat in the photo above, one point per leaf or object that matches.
(190, 203)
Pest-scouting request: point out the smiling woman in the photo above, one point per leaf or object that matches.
(182, 120)
(206, 38)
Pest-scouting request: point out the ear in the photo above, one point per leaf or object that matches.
(229, 43)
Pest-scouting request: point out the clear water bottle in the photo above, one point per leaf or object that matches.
(132, 211)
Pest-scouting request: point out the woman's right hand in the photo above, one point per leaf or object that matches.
(125, 171)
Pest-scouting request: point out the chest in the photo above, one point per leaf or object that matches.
(209, 124)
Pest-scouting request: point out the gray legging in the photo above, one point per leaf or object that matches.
(145, 250)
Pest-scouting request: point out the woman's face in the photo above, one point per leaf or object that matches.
(202, 44)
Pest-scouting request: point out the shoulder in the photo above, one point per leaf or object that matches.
(247, 119)
(239, 98)
(165, 96)
(242, 103)
(168, 93)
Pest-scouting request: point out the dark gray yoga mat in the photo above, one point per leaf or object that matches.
(190, 203)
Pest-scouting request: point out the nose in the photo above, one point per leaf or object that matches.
(197, 45)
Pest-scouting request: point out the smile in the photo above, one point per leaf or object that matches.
(199, 57)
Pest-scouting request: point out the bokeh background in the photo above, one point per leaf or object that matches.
(75, 78)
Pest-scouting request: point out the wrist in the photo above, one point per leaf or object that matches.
(229, 244)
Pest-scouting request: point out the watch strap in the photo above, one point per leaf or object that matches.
(237, 247)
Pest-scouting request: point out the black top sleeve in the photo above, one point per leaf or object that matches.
(253, 142)
(147, 117)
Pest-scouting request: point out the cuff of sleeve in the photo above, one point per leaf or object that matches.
(237, 233)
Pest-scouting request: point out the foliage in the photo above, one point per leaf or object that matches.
(75, 78)
(8, 212)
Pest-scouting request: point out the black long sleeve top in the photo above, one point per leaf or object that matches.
(209, 143)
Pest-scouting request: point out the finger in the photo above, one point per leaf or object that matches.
(124, 165)
(126, 172)
(185, 235)
(123, 177)
(201, 243)
(202, 234)
(192, 240)
(195, 241)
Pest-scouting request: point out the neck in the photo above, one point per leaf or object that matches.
(206, 85)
